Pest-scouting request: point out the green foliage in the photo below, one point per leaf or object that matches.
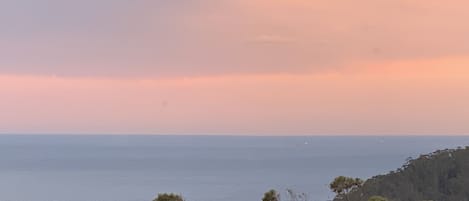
(168, 197)
(377, 198)
(344, 185)
(442, 175)
(271, 195)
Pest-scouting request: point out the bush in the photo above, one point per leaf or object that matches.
(168, 197)
(377, 198)
(271, 195)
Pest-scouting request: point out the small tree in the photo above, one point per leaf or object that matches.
(168, 197)
(342, 186)
(271, 195)
(377, 198)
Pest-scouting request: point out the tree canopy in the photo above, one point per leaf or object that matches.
(168, 197)
(441, 175)
(271, 195)
(377, 198)
(342, 186)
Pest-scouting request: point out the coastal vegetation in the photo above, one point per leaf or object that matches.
(442, 175)
(377, 198)
(342, 186)
(168, 197)
(271, 195)
(439, 176)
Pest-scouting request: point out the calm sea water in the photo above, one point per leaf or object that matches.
(202, 168)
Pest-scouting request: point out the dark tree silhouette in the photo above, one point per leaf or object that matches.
(342, 186)
(271, 195)
(168, 197)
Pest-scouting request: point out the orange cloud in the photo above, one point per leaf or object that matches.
(435, 67)
(406, 97)
(206, 38)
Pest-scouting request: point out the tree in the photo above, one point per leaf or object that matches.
(377, 198)
(271, 195)
(440, 175)
(344, 185)
(168, 197)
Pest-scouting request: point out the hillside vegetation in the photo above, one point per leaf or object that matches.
(440, 176)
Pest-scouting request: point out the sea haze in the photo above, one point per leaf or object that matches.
(202, 168)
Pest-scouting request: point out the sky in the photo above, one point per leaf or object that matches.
(234, 67)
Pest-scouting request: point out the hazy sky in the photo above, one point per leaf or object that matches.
(240, 67)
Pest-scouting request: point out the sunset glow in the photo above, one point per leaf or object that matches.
(238, 67)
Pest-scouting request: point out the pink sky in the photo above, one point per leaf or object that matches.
(237, 67)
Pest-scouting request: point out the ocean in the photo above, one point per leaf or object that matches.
(201, 168)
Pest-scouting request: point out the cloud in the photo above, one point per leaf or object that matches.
(396, 98)
(201, 37)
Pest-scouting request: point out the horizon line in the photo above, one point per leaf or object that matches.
(234, 135)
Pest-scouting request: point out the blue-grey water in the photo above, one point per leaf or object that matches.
(202, 168)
